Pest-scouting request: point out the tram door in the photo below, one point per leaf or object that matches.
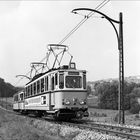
(52, 90)
(49, 89)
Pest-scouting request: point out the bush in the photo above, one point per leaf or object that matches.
(116, 118)
(135, 108)
(95, 114)
(137, 116)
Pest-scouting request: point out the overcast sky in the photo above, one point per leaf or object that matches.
(26, 27)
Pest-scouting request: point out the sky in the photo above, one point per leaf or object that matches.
(27, 27)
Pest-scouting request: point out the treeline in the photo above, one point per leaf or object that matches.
(107, 93)
(7, 90)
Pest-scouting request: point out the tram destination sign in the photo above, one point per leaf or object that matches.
(73, 73)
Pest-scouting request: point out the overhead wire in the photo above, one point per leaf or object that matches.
(103, 3)
(83, 21)
(86, 17)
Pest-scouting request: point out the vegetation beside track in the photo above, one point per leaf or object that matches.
(15, 127)
(18, 127)
(97, 115)
(49, 129)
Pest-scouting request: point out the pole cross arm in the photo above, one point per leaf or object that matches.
(79, 9)
(103, 16)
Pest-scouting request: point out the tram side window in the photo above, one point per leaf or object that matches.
(26, 92)
(61, 81)
(34, 88)
(38, 86)
(52, 83)
(42, 85)
(84, 81)
(46, 83)
(56, 79)
(31, 90)
(21, 97)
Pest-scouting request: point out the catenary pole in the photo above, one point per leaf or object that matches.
(121, 118)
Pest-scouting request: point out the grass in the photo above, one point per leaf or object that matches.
(14, 127)
(110, 116)
(9, 99)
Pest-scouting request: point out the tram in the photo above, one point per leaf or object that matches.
(60, 92)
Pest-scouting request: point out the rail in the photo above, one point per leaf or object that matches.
(119, 131)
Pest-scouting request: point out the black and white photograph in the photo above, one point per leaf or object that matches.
(69, 70)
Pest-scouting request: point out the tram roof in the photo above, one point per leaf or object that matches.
(63, 68)
(21, 91)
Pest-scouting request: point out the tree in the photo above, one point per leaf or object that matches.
(107, 94)
(134, 105)
(128, 87)
(7, 90)
(88, 90)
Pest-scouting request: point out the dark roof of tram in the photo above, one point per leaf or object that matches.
(41, 74)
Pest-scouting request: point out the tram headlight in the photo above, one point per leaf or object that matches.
(82, 102)
(66, 102)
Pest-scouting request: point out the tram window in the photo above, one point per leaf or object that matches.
(52, 83)
(31, 90)
(73, 82)
(61, 81)
(84, 81)
(34, 92)
(21, 97)
(56, 79)
(38, 86)
(42, 85)
(43, 100)
(26, 92)
(46, 83)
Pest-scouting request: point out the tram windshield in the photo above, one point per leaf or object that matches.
(73, 82)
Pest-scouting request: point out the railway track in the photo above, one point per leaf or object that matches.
(113, 130)
(120, 131)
